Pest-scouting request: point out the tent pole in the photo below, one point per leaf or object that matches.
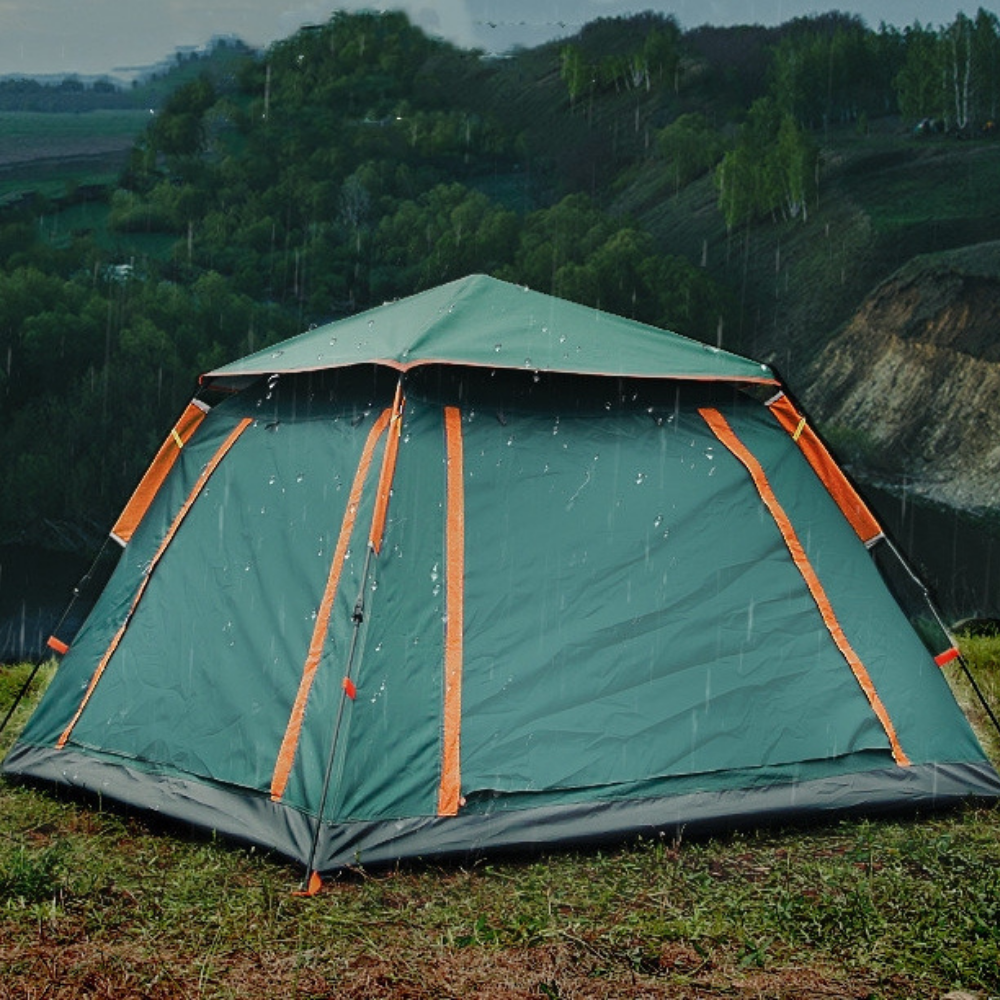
(20, 696)
(311, 883)
(944, 628)
(312, 880)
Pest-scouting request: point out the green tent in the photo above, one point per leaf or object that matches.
(483, 569)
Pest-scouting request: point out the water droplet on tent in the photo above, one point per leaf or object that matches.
(527, 362)
(374, 586)
(378, 647)
(607, 405)
(333, 341)
(536, 377)
(371, 324)
(300, 477)
(708, 453)
(562, 338)
(436, 589)
(640, 478)
(497, 348)
(510, 440)
(272, 480)
(555, 427)
(658, 520)
(276, 354)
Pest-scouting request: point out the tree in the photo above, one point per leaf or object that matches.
(771, 169)
(690, 147)
(919, 81)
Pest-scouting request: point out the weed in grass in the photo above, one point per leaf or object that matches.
(28, 877)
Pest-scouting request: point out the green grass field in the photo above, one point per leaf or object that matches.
(95, 902)
(48, 153)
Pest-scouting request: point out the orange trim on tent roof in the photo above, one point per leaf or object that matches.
(293, 730)
(837, 484)
(721, 429)
(168, 538)
(144, 494)
(449, 792)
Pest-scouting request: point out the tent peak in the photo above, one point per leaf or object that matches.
(481, 321)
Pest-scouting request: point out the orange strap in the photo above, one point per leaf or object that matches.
(57, 645)
(168, 538)
(722, 430)
(947, 656)
(449, 792)
(157, 472)
(837, 484)
(388, 470)
(293, 731)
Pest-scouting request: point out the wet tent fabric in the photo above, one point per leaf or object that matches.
(464, 607)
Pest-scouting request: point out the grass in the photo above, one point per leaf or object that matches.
(40, 129)
(47, 153)
(97, 903)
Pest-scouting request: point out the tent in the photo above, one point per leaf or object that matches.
(481, 569)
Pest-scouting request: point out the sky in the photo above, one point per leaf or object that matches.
(91, 37)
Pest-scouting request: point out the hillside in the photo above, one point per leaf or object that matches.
(911, 384)
(362, 161)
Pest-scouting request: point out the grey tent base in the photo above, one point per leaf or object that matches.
(254, 818)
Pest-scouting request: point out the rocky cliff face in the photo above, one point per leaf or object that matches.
(911, 385)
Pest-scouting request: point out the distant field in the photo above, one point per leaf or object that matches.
(33, 135)
(45, 152)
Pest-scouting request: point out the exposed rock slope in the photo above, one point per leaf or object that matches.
(912, 382)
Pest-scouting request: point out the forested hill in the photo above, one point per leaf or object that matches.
(720, 182)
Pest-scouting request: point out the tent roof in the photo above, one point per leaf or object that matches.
(481, 321)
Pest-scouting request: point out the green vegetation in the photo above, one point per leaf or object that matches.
(96, 902)
(742, 186)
